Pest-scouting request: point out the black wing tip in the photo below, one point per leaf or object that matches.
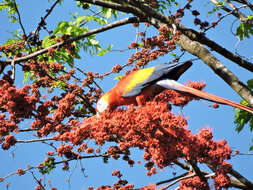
(176, 72)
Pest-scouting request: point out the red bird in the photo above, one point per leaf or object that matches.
(135, 87)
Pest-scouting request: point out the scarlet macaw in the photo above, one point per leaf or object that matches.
(135, 87)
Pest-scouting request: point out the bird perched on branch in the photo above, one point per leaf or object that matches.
(135, 87)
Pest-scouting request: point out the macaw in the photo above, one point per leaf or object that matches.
(135, 87)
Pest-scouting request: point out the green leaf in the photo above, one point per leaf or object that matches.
(109, 47)
(102, 52)
(242, 118)
(250, 83)
(173, 54)
(118, 77)
(93, 42)
(47, 166)
(26, 76)
(243, 30)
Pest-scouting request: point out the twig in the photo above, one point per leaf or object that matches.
(172, 179)
(197, 171)
(38, 181)
(35, 140)
(26, 130)
(95, 14)
(41, 23)
(242, 17)
(186, 177)
(55, 163)
(84, 157)
(20, 23)
(234, 181)
(13, 69)
(229, 12)
(96, 84)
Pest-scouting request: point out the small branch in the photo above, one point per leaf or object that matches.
(38, 182)
(234, 181)
(215, 2)
(14, 173)
(19, 18)
(250, 5)
(44, 18)
(242, 17)
(55, 163)
(13, 69)
(96, 84)
(172, 179)
(186, 177)
(229, 12)
(35, 140)
(235, 11)
(197, 170)
(26, 130)
(245, 154)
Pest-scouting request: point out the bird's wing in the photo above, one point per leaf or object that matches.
(145, 77)
(172, 84)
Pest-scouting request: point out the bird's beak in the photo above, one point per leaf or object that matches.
(98, 114)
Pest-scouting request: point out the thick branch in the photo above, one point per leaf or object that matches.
(241, 178)
(126, 8)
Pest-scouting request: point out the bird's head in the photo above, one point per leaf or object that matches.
(102, 105)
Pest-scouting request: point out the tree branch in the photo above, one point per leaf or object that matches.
(186, 177)
(234, 181)
(76, 38)
(126, 8)
(229, 12)
(55, 163)
(241, 16)
(241, 178)
(197, 171)
(42, 21)
(35, 140)
(172, 179)
(235, 12)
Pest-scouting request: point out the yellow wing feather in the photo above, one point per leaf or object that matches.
(139, 77)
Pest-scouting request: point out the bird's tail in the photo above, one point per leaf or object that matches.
(172, 84)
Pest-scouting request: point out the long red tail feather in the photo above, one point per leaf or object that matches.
(171, 84)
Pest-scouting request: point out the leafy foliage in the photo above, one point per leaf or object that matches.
(243, 118)
(10, 6)
(244, 30)
(47, 166)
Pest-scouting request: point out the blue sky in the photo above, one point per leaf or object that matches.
(199, 114)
